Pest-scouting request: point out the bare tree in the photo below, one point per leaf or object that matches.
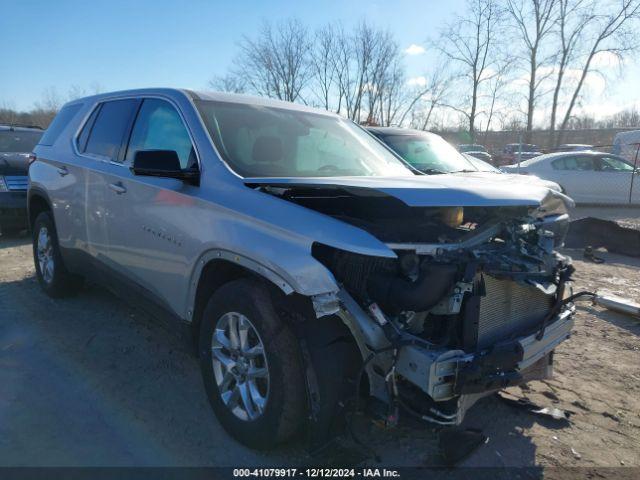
(375, 53)
(426, 98)
(533, 21)
(323, 64)
(572, 19)
(366, 70)
(228, 83)
(470, 44)
(276, 63)
(611, 30)
(496, 87)
(393, 94)
(77, 91)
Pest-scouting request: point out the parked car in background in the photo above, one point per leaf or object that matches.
(627, 145)
(475, 150)
(514, 151)
(574, 147)
(431, 154)
(302, 255)
(587, 177)
(16, 143)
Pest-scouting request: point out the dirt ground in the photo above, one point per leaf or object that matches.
(90, 381)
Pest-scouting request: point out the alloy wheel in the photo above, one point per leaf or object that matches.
(45, 255)
(240, 366)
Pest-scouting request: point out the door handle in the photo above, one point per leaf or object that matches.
(62, 171)
(118, 188)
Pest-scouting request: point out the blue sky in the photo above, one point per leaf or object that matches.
(127, 44)
(121, 44)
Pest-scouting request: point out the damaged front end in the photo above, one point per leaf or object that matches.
(468, 317)
(472, 302)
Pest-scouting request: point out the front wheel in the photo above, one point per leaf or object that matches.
(251, 366)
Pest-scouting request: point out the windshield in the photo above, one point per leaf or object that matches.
(15, 141)
(428, 153)
(481, 165)
(471, 148)
(259, 141)
(525, 147)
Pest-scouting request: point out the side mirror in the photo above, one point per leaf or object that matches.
(162, 163)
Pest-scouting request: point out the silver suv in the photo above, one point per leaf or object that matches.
(312, 265)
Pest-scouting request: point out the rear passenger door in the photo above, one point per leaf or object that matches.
(577, 175)
(101, 143)
(150, 219)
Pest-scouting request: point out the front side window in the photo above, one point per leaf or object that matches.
(158, 126)
(428, 153)
(613, 164)
(107, 133)
(258, 141)
(18, 141)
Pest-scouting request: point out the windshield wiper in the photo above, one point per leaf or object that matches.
(432, 171)
(466, 171)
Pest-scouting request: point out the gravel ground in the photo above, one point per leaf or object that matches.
(90, 381)
(625, 216)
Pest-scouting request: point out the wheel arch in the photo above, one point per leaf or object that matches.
(38, 202)
(216, 268)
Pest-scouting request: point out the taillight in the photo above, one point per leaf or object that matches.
(32, 158)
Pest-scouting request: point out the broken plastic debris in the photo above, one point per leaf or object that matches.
(457, 444)
(617, 304)
(530, 407)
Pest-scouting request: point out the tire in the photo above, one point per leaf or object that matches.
(277, 411)
(53, 277)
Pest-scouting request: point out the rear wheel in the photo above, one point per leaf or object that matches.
(251, 365)
(52, 275)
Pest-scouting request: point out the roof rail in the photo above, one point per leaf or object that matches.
(20, 125)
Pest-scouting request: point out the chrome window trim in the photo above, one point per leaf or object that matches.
(102, 158)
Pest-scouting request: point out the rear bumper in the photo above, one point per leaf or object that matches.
(13, 210)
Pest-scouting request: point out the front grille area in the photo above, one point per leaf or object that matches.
(509, 308)
(17, 183)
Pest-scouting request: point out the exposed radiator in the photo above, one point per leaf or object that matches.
(509, 308)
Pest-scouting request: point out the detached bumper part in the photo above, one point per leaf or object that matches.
(447, 375)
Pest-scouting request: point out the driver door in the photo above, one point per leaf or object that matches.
(150, 218)
(614, 180)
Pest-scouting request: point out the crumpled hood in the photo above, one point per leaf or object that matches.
(510, 178)
(432, 190)
(14, 163)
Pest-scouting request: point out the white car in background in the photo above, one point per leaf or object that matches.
(587, 177)
(626, 144)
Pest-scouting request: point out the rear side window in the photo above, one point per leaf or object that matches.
(59, 123)
(573, 163)
(159, 127)
(112, 121)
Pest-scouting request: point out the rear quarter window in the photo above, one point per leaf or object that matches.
(59, 123)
